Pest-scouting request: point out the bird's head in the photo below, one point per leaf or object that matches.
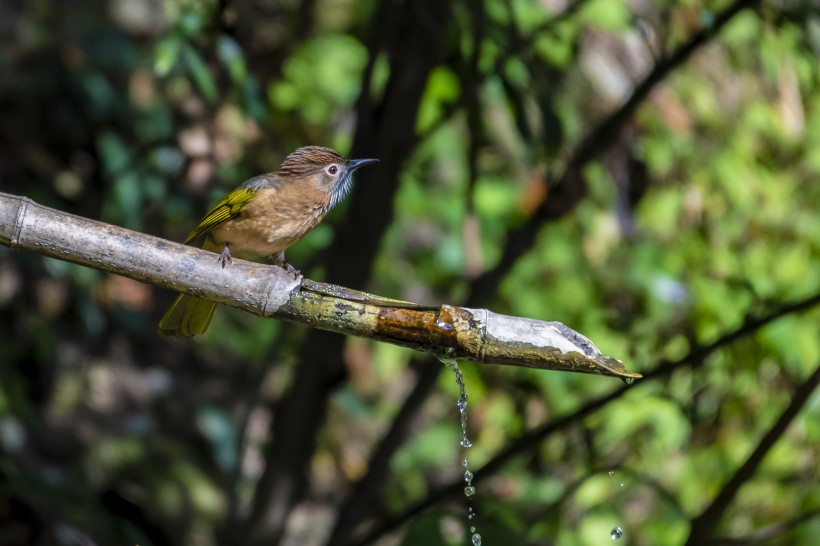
(333, 170)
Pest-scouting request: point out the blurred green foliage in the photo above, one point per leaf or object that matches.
(701, 213)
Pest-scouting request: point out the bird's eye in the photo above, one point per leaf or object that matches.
(333, 169)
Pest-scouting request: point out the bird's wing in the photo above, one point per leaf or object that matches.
(232, 204)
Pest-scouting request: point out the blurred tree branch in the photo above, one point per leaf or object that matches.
(567, 190)
(703, 525)
(768, 534)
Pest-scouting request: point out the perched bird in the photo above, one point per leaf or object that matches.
(263, 217)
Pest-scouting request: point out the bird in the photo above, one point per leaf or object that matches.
(262, 217)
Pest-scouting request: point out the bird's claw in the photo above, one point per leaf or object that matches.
(279, 259)
(292, 270)
(224, 257)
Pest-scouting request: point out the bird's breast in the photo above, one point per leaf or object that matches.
(271, 223)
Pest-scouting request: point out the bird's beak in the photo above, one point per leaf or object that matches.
(354, 164)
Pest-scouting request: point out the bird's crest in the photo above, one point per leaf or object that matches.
(308, 160)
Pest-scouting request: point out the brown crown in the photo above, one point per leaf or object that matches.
(310, 159)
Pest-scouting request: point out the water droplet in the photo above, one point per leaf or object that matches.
(476, 539)
(468, 476)
(616, 533)
(611, 472)
(466, 443)
(628, 380)
(472, 529)
(621, 484)
(465, 463)
(444, 325)
(469, 491)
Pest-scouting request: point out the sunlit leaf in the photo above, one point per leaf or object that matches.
(166, 55)
(200, 72)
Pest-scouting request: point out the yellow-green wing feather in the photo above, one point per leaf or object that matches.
(227, 208)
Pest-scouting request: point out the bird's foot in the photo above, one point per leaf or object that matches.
(279, 259)
(225, 256)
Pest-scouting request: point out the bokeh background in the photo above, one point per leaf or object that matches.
(645, 172)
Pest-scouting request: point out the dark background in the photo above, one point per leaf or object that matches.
(645, 172)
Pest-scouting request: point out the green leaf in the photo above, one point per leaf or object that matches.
(442, 87)
(607, 14)
(113, 152)
(200, 73)
(424, 530)
(166, 55)
(231, 56)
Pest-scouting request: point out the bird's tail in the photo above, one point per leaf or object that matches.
(187, 317)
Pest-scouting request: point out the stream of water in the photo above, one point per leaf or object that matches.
(469, 488)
